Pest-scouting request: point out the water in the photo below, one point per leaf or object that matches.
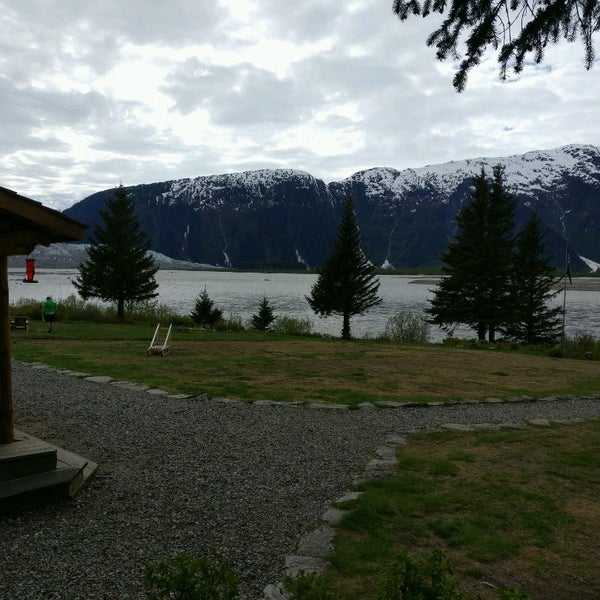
(239, 294)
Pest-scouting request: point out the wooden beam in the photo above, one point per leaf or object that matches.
(21, 241)
(6, 399)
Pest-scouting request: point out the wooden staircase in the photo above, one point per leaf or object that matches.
(34, 473)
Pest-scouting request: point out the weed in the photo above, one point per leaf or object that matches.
(187, 577)
(308, 586)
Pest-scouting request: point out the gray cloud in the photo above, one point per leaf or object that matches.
(95, 93)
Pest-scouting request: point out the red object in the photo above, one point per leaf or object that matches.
(29, 270)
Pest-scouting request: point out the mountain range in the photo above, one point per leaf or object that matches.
(287, 219)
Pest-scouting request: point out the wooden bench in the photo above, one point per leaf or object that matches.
(20, 322)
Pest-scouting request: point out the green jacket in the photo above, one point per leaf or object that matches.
(49, 308)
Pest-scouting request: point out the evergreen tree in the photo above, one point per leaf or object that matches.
(118, 267)
(205, 313)
(263, 319)
(518, 27)
(347, 284)
(532, 288)
(476, 265)
(498, 255)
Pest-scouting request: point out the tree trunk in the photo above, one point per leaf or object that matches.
(121, 309)
(6, 400)
(481, 329)
(492, 335)
(346, 327)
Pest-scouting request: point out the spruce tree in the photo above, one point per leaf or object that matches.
(118, 267)
(498, 255)
(347, 284)
(476, 265)
(263, 319)
(516, 29)
(457, 296)
(532, 289)
(205, 313)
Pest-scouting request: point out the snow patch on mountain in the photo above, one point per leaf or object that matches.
(70, 256)
(593, 266)
(214, 190)
(524, 173)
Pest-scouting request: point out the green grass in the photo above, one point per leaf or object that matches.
(252, 365)
(517, 508)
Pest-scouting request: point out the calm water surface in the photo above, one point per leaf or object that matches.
(239, 294)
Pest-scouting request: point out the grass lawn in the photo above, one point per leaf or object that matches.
(254, 366)
(509, 509)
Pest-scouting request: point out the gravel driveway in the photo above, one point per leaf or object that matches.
(196, 475)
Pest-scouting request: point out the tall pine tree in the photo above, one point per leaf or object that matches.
(118, 267)
(533, 284)
(347, 284)
(498, 255)
(477, 262)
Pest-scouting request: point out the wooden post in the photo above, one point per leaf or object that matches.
(6, 400)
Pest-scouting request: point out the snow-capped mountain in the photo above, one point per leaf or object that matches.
(285, 218)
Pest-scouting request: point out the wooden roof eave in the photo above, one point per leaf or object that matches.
(26, 223)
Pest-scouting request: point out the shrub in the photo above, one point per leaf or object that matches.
(232, 323)
(292, 326)
(191, 578)
(406, 327)
(581, 346)
(307, 586)
(73, 308)
(205, 313)
(264, 318)
(410, 578)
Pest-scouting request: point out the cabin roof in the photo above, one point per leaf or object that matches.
(25, 223)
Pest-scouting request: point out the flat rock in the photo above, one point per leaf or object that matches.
(309, 564)
(317, 543)
(99, 378)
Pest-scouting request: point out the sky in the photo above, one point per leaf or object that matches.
(94, 94)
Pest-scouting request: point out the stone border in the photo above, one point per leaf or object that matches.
(314, 405)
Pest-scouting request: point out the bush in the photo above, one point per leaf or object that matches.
(191, 578)
(232, 323)
(581, 346)
(307, 586)
(406, 327)
(410, 578)
(292, 326)
(73, 308)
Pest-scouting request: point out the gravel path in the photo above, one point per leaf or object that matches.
(195, 475)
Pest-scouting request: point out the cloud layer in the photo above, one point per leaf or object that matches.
(98, 93)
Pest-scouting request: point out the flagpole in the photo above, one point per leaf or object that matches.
(564, 314)
(564, 311)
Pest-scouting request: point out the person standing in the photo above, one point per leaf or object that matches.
(49, 312)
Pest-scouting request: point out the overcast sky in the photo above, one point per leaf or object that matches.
(97, 93)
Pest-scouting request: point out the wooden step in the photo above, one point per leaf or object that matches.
(36, 490)
(37, 473)
(26, 456)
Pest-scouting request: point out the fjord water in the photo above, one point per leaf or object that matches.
(239, 294)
